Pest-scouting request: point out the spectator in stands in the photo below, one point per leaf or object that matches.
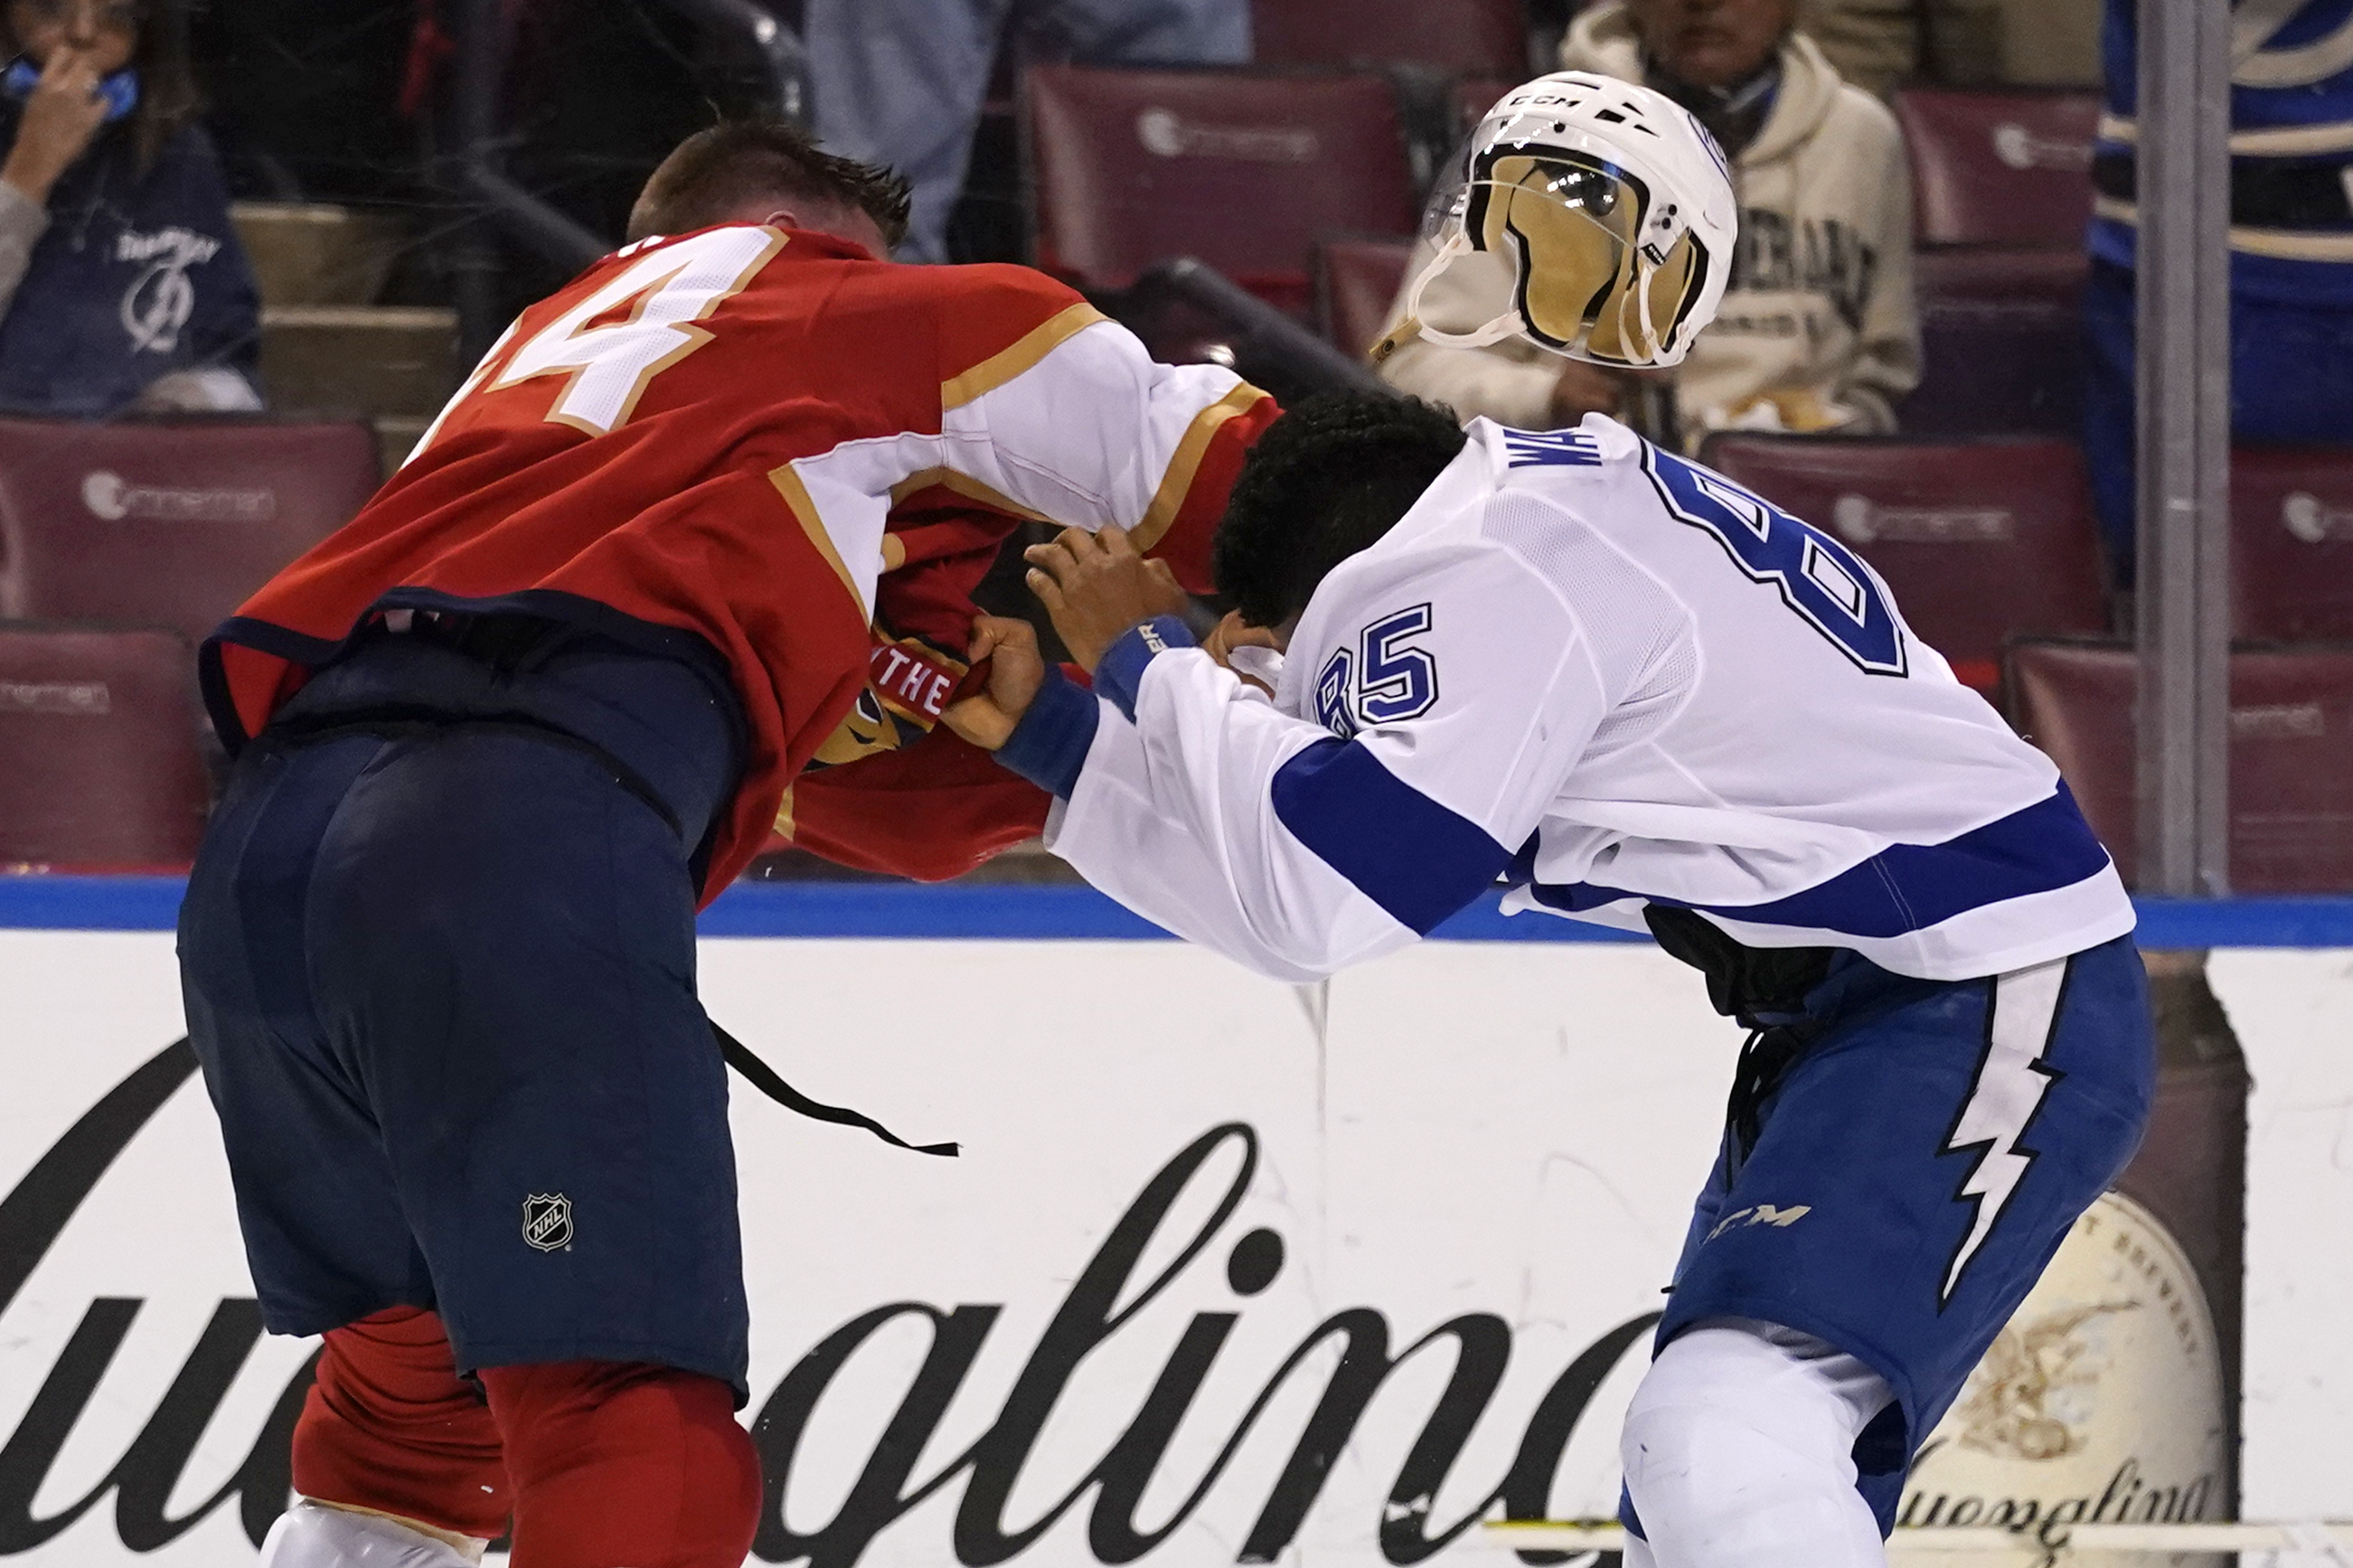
(121, 278)
(1881, 44)
(1817, 332)
(2290, 246)
(900, 82)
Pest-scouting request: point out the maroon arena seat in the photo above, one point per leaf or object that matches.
(1999, 168)
(170, 524)
(2290, 755)
(1357, 282)
(99, 765)
(2292, 544)
(1241, 169)
(1488, 36)
(2001, 342)
(1980, 540)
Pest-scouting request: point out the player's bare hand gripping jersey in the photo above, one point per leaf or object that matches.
(706, 432)
(1609, 675)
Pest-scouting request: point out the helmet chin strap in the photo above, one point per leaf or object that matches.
(1506, 325)
(1649, 341)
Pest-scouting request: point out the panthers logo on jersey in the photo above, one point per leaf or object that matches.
(909, 685)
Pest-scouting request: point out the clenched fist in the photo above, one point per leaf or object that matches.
(1096, 587)
(1016, 671)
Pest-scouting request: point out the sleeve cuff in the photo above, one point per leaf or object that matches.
(1120, 671)
(1050, 745)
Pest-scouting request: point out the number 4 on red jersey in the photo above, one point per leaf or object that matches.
(707, 433)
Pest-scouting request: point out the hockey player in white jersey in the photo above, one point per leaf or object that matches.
(1641, 695)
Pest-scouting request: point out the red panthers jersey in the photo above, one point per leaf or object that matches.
(808, 457)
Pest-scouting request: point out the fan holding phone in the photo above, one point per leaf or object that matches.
(121, 282)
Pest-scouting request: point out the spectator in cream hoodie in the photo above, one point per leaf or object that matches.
(1817, 332)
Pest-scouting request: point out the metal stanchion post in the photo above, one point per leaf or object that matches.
(2191, 1172)
(2184, 436)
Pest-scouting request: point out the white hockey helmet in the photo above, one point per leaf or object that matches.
(1614, 207)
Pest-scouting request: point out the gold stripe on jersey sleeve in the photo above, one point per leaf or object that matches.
(1177, 482)
(1005, 364)
(964, 485)
(803, 506)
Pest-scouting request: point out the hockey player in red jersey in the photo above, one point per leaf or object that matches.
(706, 516)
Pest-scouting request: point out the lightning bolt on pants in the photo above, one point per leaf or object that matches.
(1916, 1163)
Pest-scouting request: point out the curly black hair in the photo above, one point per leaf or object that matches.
(713, 172)
(1327, 478)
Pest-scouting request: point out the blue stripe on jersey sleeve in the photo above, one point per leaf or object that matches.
(1401, 848)
(1120, 672)
(1048, 747)
(1910, 886)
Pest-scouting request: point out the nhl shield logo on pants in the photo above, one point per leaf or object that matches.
(547, 1221)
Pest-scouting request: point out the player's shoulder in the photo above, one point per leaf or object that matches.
(722, 260)
(1576, 509)
(991, 295)
(993, 308)
(1576, 473)
(1448, 543)
(1594, 450)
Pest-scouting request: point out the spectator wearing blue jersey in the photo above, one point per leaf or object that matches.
(2291, 243)
(122, 281)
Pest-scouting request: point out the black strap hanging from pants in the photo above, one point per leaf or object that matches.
(768, 1081)
(399, 678)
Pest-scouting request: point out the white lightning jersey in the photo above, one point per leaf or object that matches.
(1609, 675)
